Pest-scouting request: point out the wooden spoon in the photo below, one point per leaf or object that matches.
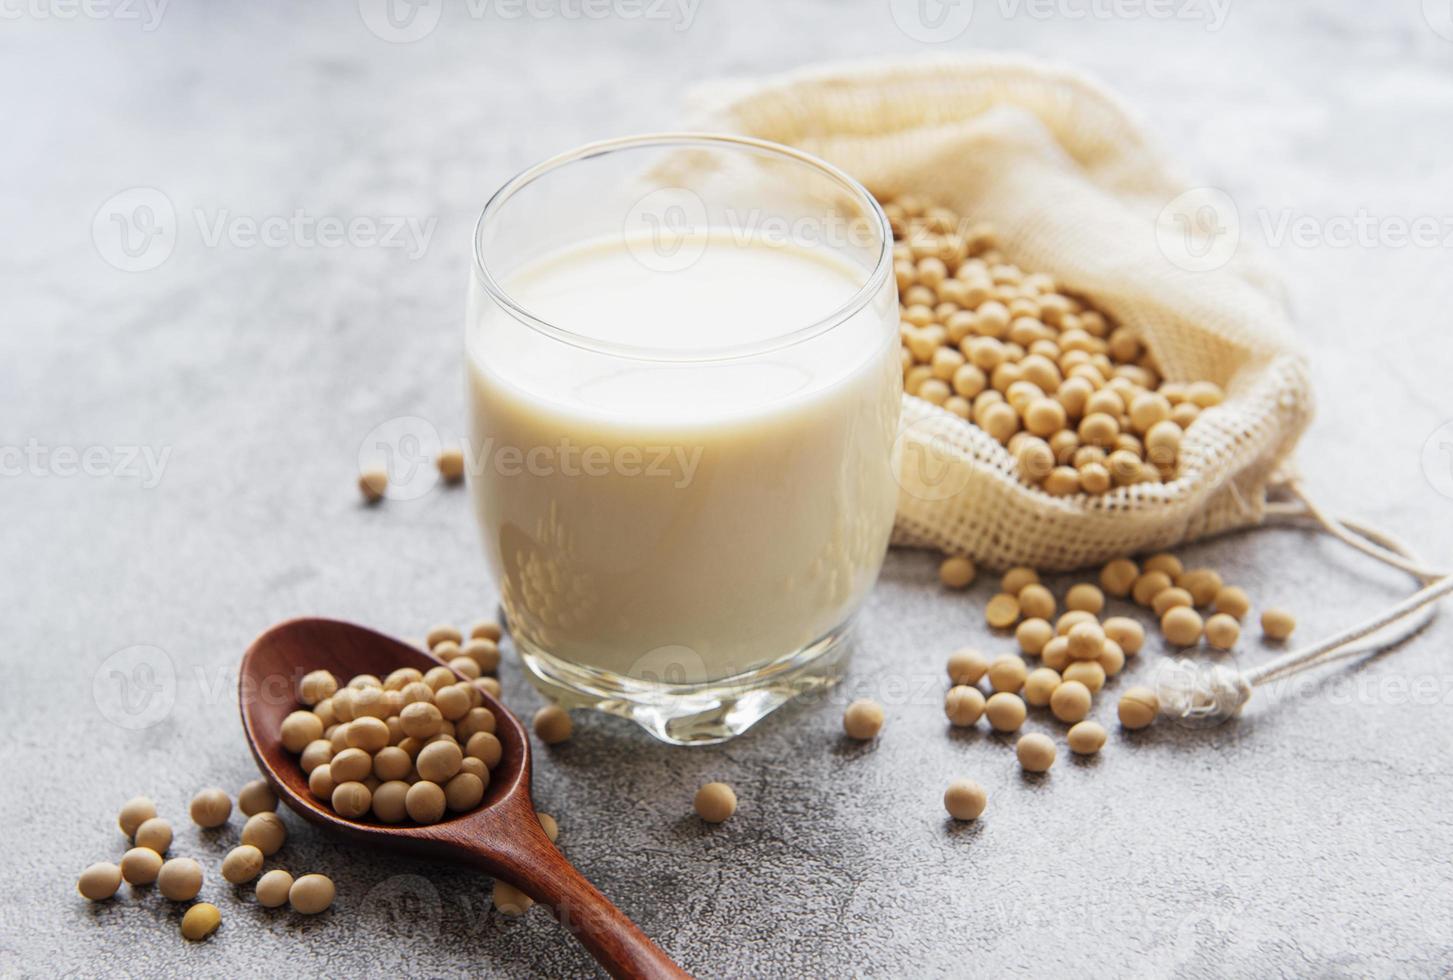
(502, 837)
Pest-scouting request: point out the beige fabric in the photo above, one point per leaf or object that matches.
(1074, 188)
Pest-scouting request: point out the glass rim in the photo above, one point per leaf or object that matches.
(859, 300)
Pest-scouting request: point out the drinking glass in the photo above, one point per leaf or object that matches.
(684, 385)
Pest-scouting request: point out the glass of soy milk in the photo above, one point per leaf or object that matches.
(684, 384)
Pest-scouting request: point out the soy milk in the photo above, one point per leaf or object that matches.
(668, 513)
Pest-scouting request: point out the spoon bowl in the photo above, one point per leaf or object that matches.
(501, 837)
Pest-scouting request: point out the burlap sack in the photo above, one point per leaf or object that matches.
(1075, 188)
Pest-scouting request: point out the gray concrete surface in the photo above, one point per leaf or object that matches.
(1312, 838)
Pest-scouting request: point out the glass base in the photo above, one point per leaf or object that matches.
(692, 714)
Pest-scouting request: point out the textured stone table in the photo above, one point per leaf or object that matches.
(1314, 837)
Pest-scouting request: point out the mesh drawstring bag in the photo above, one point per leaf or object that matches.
(1075, 188)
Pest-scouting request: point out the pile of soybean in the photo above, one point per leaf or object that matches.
(1078, 652)
(180, 879)
(1077, 400)
(408, 747)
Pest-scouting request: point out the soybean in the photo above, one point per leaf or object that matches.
(464, 791)
(99, 882)
(509, 900)
(298, 729)
(957, 572)
(1036, 602)
(966, 666)
(715, 802)
(1056, 653)
(1086, 738)
(1118, 576)
(311, 894)
(1071, 701)
(201, 921)
(1202, 583)
(963, 705)
(1072, 619)
(1277, 624)
(1015, 579)
(1128, 633)
(265, 831)
(443, 634)
(211, 807)
(156, 834)
(352, 800)
(484, 653)
(1112, 658)
(965, 799)
(388, 801)
(1002, 611)
(439, 761)
(1182, 626)
(1007, 673)
(135, 812)
(1138, 707)
(1005, 711)
(552, 724)
(1164, 562)
(1085, 598)
(425, 802)
(451, 464)
(1148, 586)
(258, 796)
(863, 720)
(317, 686)
(1222, 631)
(1090, 673)
(373, 484)
(1033, 635)
(272, 888)
(1086, 641)
(485, 747)
(140, 866)
(1170, 598)
(1040, 686)
(1036, 752)
(242, 864)
(179, 879)
(1232, 601)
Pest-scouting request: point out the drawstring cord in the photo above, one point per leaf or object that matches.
(1208, 697)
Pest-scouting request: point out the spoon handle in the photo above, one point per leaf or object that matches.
(615, 941)
(538, 869)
